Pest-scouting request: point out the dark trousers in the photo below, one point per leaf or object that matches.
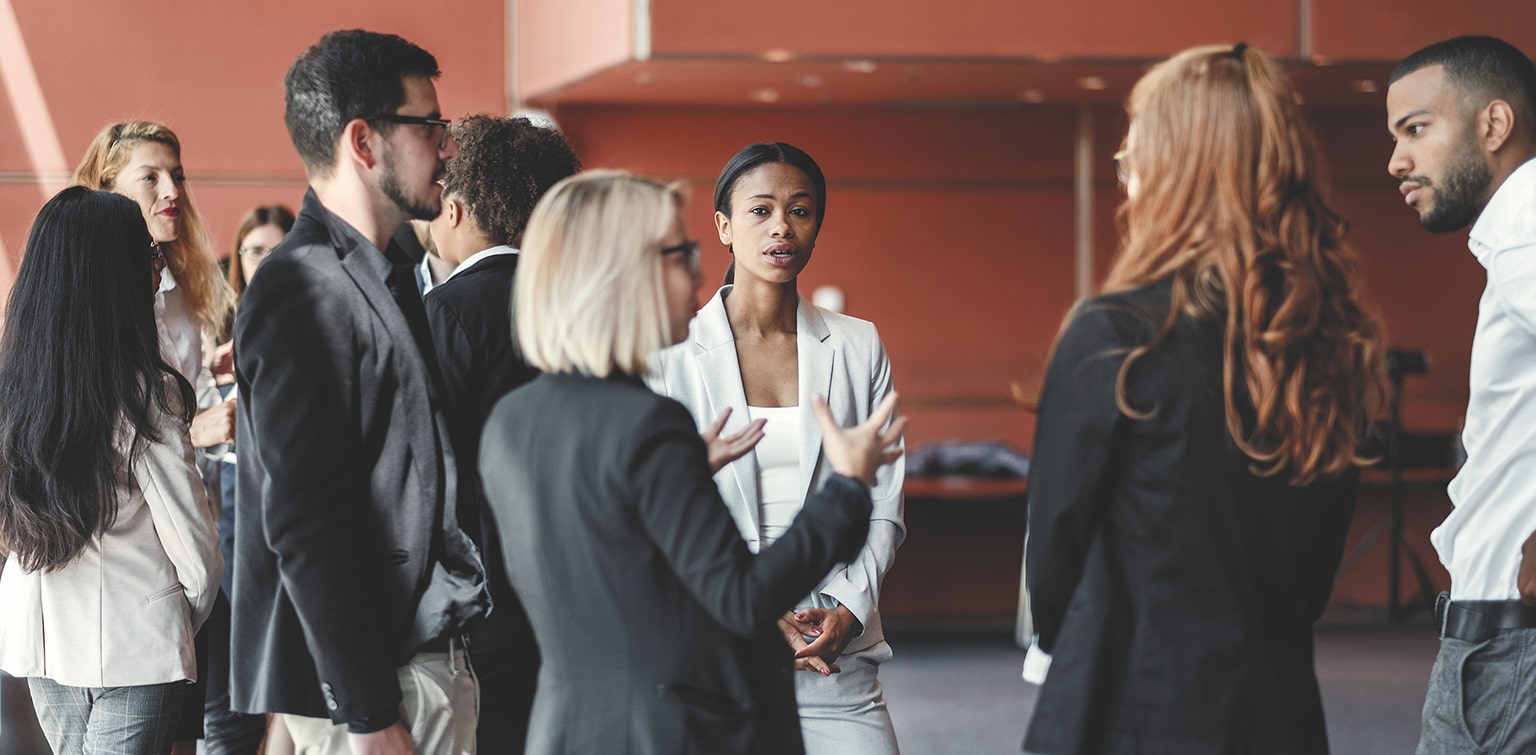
(225, 732)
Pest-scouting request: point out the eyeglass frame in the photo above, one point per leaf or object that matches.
(416, 120)
(690, 248)
(1121, 172)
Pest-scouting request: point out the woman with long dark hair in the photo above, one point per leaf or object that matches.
(113, 557)
(753, 357)
(1200, 433)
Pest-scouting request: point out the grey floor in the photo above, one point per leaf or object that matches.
(962, 694)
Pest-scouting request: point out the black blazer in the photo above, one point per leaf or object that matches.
(1175, 589)
(342, 478)
(655, 622)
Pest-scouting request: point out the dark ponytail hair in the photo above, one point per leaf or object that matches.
(749, 159)
(80, 366)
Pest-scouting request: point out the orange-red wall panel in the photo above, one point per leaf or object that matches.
(974, 28)
(1391, 29)
(561, 41)
(214, 73)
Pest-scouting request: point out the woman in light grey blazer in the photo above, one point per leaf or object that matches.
(754, 356)
(112, 553)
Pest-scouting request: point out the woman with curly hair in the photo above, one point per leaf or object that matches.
(1199, 435)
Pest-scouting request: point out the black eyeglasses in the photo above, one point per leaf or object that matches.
(416, 120)
(156, 256)
(689, 248)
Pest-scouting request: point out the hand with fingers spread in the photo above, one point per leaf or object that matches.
(861, 450)
(723, 451)
(795, 631)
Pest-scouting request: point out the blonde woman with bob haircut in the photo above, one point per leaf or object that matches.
(655, 624)
(1200, 431)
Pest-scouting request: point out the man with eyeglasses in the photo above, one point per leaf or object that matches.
(354, 581)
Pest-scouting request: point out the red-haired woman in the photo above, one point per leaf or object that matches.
(1199, 434)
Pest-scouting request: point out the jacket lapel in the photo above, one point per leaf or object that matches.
(721, 375)
(816, 362)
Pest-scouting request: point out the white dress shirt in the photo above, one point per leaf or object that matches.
(1495, 491)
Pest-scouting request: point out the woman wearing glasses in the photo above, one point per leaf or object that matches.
(113, 561)
(142, 161)
(754, 357)
(652, 615)
(1199, 434)
(258, 234)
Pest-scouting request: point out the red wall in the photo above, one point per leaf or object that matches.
(213, 72)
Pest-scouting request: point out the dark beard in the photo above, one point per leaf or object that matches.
(419, 209)
(1460, 199)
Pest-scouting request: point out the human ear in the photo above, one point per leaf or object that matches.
(357, 144)
(455, 210)
(723, 228)
(1495, 125)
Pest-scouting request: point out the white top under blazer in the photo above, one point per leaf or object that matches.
(841, 358)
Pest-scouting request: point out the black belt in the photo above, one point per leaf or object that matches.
(1480, 620)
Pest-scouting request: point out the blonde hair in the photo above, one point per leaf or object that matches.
(1231, 207)
(589, 295)
(190, 257)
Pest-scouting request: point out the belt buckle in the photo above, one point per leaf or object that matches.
(1443, 611)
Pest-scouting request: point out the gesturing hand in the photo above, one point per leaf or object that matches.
(723, 451)
(214, 425)
(860, 451)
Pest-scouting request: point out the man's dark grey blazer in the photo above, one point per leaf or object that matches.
(347, 559)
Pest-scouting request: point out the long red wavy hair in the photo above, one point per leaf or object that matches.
(1230, 205)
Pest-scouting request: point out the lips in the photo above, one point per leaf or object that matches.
(170, 212)
(781, 254)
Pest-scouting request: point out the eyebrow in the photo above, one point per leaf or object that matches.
(795, 195)
(1408, 117)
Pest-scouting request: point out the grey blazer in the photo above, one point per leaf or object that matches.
(841, 358)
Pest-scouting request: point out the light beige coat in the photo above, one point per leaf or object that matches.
(124, 612)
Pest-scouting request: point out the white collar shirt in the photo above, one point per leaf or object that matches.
(470, 261)
(1494, 493)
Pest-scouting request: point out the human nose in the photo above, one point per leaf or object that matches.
(168, 188)
(447, 148)
(1399, 164)
(781, 226)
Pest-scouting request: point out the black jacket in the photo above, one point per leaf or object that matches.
(347, 561)
(1175, 588)
(655, 623)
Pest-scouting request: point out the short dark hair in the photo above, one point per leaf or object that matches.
(1481, 69)
(503, 167)
(345, 76)
(754, 155)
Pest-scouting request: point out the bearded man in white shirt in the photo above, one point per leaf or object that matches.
(1463, 116)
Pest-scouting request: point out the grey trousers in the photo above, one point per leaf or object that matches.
(138, 720)
(1482, 697)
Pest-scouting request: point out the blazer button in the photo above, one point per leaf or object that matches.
(330, 697)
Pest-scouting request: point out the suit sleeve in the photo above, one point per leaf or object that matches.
(456, 355)
(166, 473)
(857, 586)
(298, 365)
(681, 511)
(1068, 477)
